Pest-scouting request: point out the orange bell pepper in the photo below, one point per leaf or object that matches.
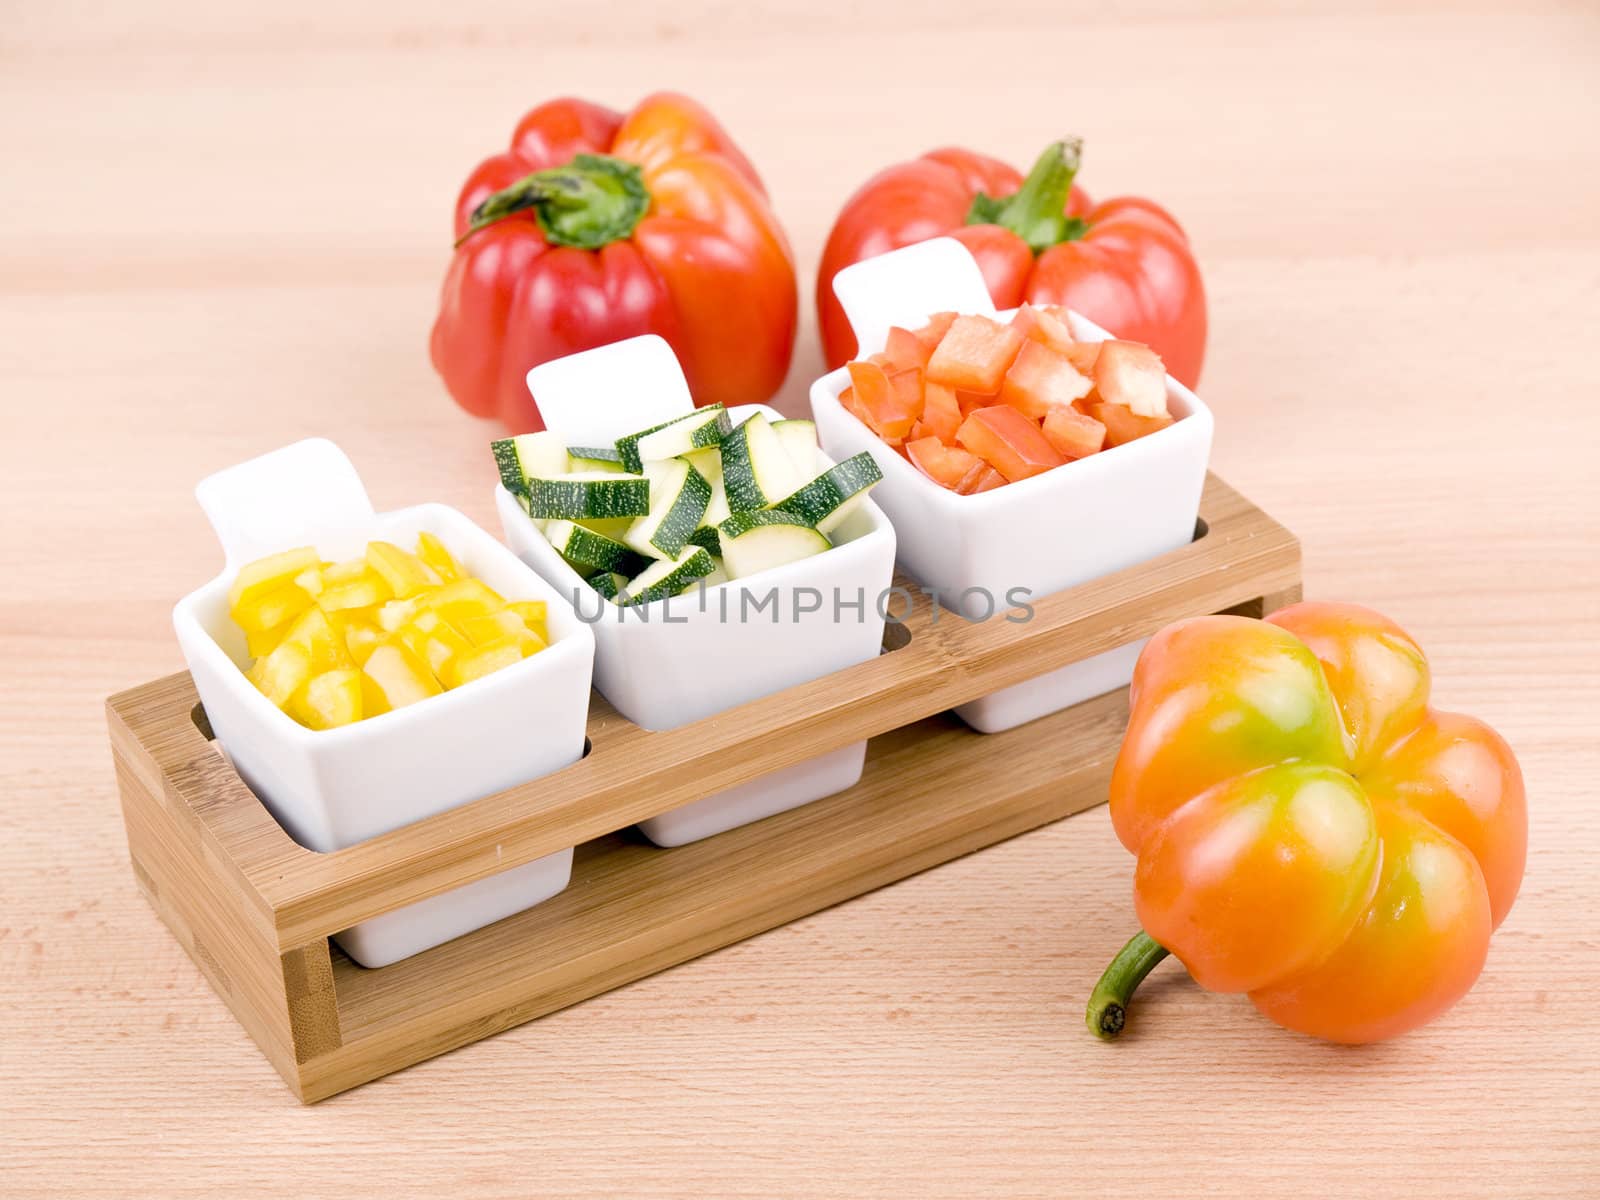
(1310, 831)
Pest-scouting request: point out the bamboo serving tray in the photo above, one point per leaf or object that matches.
(255, 910)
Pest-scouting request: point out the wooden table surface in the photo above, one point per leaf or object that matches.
(222, 236)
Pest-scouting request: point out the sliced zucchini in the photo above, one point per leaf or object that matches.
(528, 455)
(668, 577)
(607, 583)
(799, 439)
(703, 427)
(707, 536)
(830, 497)
(708, 461)
(678, 499)
(615, 528)
(756, 469)
(597, 552)
(591, 494)
(595, 458)
(759, 541)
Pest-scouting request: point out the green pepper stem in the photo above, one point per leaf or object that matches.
(1108, 1003)
(592, 201)
(1036, 212)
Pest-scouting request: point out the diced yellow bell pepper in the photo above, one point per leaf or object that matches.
(310, 581)
(364, 591)
(397, 612)
(326, 648)
(267, 573)
(487, 659)
(335, 642)
(534, 613)
(491, 627)
(394, 677)
(344, 572)
(329, 700)
(264, 643)
(282, 673)
(406, 574)
(360, 637)
(432, 551)
(441, 641)
(462, 599)
(261, 611)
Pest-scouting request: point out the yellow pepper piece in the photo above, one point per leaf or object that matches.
(397, 612)
(441, 641)
(394, 677)
(329, 700)
(534, 614)
(364, 591)
(491, 627)
(462, 599)
(431, 551)
(264, 643)
(266, 610)
(487, 659)
(282, 673)
(406, 574)
(315, 632)
(270, 572)
(360, 637)
(344, 572)
(310, 581)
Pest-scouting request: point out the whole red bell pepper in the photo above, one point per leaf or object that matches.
(596, 227)
(1310, 831)
(1124, 263)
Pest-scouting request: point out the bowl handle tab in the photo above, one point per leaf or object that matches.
(907, 286)
(594, 397)
(271, 503)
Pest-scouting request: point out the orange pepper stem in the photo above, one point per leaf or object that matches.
(1108, 1003)
(1036, 212)
(591, 202)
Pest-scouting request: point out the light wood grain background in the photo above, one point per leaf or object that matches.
(223, 230)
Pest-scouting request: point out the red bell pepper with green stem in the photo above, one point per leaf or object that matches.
(1124, 263)
(596, 227)
(1310, 831)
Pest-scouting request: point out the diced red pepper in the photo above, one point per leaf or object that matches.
(987, 481)
(1008, 442)
(1043, 325)
(905, 349)
(974, 354)
(969, 402)
(1083, 355)
(941, 415)
(931, 334)
(1131, 374)
(879, 403)
(1041, 379)
(1072, 433)
(1123, 426)
(945, 465)
(907, 384)
(847, 401)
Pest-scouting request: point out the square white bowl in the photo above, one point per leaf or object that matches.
(332, 788)
(674, 661)
(1063, 527)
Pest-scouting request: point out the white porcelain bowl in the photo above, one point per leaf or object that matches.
(333, 788)
(674, 661)
(1045, 534)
